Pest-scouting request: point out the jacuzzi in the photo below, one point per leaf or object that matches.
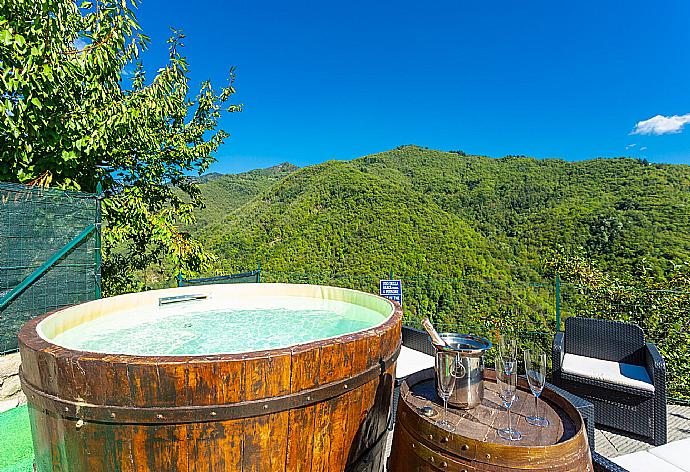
(215, 378)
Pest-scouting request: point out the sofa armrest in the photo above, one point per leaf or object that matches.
(655, 365)
(656, 368)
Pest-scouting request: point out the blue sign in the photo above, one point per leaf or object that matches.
(391, 289)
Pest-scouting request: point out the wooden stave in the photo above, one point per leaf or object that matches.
(414, 444)
(65, 442)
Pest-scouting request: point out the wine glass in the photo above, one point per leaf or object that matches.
(446, 366)
(535, 368)
(507, 386)
(507, 352)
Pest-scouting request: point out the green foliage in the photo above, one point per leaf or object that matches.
(68, 120)
(415, 211)
(225, 193)
(477, 241)
(335, 217)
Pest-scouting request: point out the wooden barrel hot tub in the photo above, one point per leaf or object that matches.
(321, 405)
(420, 445)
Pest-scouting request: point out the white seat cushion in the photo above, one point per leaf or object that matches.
(676, 453)
(634, 376)
(411, 361)
(643, 461)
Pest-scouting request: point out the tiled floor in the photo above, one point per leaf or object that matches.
(610, 444)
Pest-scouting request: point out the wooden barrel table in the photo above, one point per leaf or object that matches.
(419, 445)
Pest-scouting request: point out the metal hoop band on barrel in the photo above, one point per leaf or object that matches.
(194, 414)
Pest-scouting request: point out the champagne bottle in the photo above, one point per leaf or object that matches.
(435, 338)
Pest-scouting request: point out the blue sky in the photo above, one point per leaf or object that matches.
(338, 80)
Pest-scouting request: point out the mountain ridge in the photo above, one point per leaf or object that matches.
(225, 192)
(513, 210)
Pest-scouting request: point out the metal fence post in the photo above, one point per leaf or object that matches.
(38, 273)
(97, 241)
(558, 302)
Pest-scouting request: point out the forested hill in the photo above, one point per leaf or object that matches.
(224, 193)
(414, 210)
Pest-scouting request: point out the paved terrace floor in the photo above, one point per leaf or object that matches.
(612, 444)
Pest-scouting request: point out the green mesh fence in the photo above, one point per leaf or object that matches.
(366, 283)
(36, 225)
(253, 276)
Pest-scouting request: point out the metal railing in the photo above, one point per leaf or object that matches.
(534, 311)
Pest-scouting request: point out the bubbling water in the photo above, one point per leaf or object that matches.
(210, 327)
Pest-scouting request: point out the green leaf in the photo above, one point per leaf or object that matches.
(68, 155)
(5, 37)
(24, 175)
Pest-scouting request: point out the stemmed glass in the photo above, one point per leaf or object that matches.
(446, 366)
(535, 368)
(506, 378)
(507, 351)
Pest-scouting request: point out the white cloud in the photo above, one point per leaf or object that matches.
(662, 125)
(630, 146)
(643, 148)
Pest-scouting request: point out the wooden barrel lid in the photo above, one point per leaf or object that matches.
(475, 438)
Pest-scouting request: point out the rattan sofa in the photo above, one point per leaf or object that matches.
(633, 399)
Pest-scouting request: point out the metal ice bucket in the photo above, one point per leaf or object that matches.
(469, 388)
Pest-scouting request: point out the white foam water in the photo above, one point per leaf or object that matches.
(217, 326)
